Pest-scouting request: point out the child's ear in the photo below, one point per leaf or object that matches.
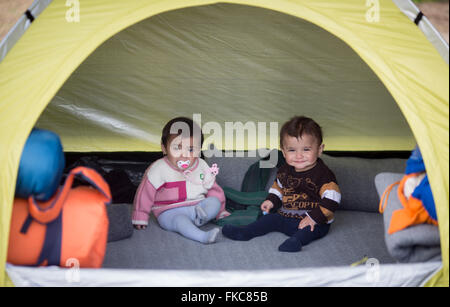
(282, 151)
(163, 148)
(321, 148)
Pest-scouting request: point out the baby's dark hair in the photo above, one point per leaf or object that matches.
(180, 123)
(299, 125)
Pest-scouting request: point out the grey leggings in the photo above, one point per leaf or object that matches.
(183, 219)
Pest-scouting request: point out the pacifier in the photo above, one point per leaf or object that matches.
(183, 164)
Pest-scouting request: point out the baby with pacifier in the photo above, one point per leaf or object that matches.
(180, 188)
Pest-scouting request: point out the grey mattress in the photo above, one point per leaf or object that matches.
(353, 235)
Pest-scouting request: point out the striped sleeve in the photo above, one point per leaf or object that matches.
(276, 194)
(331, 196)
(145, 194)
(143, 202)
(330, 199)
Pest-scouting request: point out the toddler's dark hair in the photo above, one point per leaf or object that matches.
(299, 125)
(179, 120)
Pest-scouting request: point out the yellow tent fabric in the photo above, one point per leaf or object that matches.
(408, 66)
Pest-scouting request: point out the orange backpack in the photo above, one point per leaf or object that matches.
(413, 211)
(71, 226)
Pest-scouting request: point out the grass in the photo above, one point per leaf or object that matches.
(422, 1)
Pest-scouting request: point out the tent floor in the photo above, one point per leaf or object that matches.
(352, 236)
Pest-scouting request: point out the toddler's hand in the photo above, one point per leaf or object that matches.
(307, 221)
(214, 169)
(209, 176)
(140, 227)
(266, 206)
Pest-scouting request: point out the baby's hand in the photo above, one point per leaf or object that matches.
(214, 169)
(266, 206)
(140, 227)
(307, 221)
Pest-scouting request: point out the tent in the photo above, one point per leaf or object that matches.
(106, 75)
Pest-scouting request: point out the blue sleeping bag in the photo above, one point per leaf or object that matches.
(415, 164)
(41, 166)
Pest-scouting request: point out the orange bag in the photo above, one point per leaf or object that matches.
(71, 226)
(413, 211)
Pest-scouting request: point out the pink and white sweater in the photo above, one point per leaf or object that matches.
(165, 187)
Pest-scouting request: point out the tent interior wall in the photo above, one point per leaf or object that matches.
(213, 60)
(239, 63)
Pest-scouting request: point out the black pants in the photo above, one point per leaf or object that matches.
(289, 226)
